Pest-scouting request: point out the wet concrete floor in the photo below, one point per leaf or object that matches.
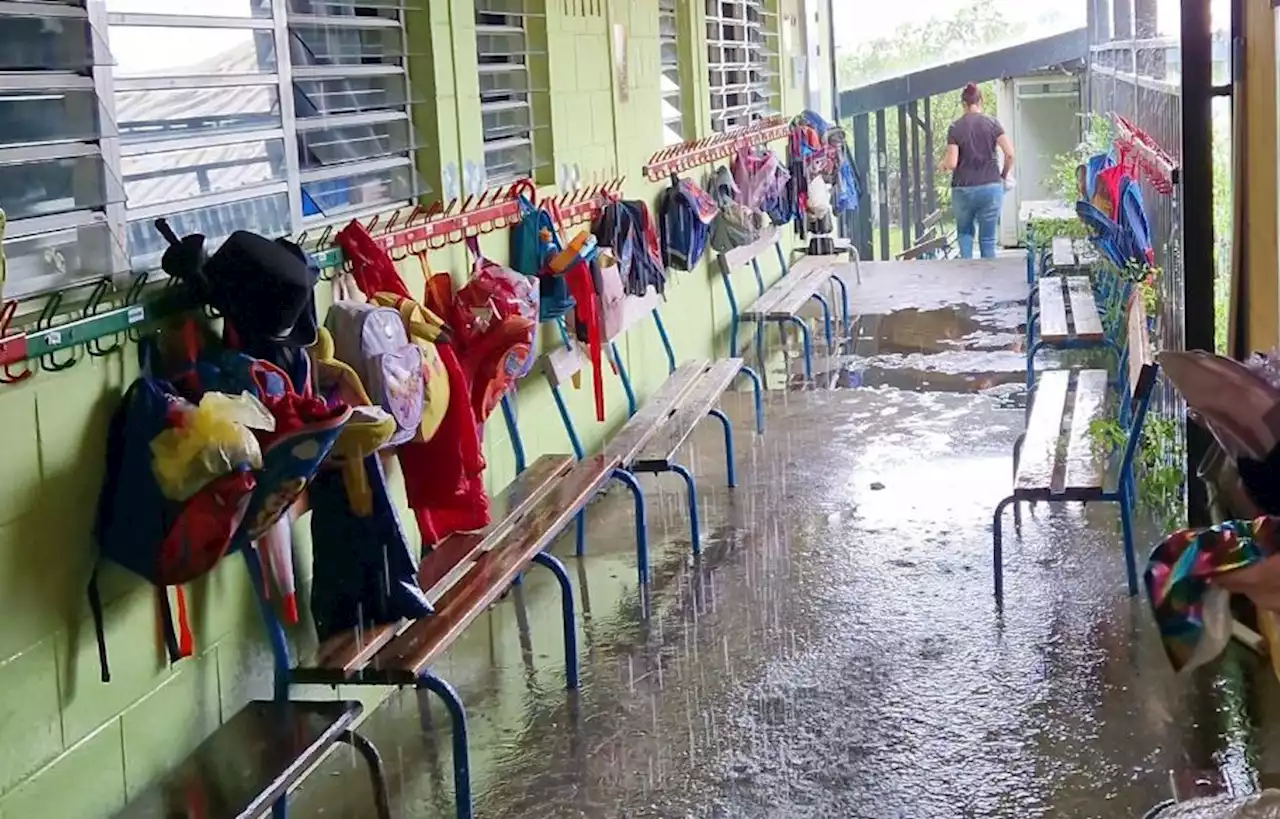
(836, 652)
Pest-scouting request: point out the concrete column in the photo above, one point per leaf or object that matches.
(1122, 17)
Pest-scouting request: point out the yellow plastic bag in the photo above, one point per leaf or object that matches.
(211, 440)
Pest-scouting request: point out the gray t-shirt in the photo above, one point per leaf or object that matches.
(975, 135)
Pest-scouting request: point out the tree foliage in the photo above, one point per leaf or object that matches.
(972, 29)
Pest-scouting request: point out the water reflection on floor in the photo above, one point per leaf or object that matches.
(836, 652)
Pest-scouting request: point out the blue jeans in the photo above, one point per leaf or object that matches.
(979, 204)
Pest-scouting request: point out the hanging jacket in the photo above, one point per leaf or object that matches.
(364, 573)
(627, 229)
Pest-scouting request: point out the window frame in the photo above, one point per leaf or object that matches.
(759, 69)
(677, 97)
(282, 180)
(536, 132)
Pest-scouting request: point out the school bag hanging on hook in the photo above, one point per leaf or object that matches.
(529, 240)
(685, 214)
(166, 542)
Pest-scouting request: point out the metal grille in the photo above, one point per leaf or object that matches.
(743, 61)
(509, 115)
(669, 56)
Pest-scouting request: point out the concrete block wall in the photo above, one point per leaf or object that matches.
(75, 747)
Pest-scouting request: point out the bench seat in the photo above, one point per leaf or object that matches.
(1067, 318)
(783, 300)
(407, 657)
(1054, 467)
(350, 651)
(1055, 458)
(253, 760)
(659, 451)
(1067, 310)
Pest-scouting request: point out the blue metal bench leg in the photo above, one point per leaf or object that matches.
(692, 486)
(642, 527)
(377, 773)
(1031, 366)
(566, 605)
(728, 444)
(580, 537)
(1126, 524)
(997, 538)
(826, 316)
(758, 386)
(760, 345)
(847, 322)
(807, 345)
(275, 633)
(461, 754)
(1017, 458)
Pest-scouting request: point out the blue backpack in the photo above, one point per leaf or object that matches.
(528, 254)
(165, 542)
(684, 224)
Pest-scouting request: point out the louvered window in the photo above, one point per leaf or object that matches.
(510, 43)
(743, 61)
(58, 188)
(264, 115)
(673, 131)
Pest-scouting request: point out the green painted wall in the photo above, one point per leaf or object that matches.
(75, 747)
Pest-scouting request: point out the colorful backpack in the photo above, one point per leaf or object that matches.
(736, 225)
(165, 542)
(685, 214)
(530, 239)
(374, 342)
(425, 330)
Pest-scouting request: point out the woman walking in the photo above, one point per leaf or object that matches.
(977, 180)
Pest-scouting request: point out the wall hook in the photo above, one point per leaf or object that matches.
(49, 362)
(95, 347)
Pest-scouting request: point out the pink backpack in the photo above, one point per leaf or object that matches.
(613, 297)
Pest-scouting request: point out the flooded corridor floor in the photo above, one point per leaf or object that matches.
(836, 652)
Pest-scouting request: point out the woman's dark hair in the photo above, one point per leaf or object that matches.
(971, 95)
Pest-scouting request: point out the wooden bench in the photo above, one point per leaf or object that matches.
(248, 765)
(840, 246)
(478, 571)
(930, 243)
(1067, 318)
(782, 301)
(654, 433)
(1055, 459)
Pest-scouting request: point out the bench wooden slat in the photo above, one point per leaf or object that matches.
(352, 649)
(1039, 458)
(741, 256)
(932, 220)
(1063, 252)
(1053, 310)
(642, 426)
(1085, 470)
(776, 292)
(807, 282)
(1084, 312)
(661, 448)
(1140, 360)
(418, 647)
(248, 763)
